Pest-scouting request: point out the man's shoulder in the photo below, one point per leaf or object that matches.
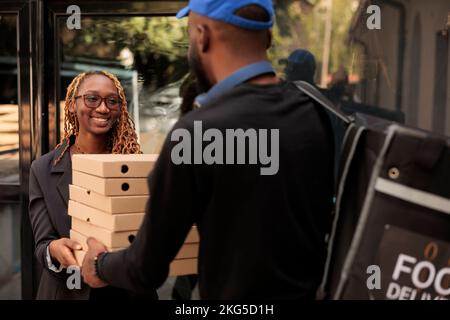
(251, 95)
(248, 101)
(248, 93)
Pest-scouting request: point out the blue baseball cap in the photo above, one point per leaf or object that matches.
(224, 10)
(300, 65)
(303, 57)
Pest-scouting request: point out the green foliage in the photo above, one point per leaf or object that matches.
(106, 37)
(158, 46)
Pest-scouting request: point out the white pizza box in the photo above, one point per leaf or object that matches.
(116, 222)
(111, 205)
(111, 186)
(115, 165)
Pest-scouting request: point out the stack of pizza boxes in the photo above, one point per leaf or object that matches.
(108, 197)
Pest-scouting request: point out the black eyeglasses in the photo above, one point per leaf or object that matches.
(94, 101)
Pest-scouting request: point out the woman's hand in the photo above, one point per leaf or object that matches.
(61, 250)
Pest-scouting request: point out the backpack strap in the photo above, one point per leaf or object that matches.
(317, 96)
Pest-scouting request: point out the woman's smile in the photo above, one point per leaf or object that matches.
(100, 121)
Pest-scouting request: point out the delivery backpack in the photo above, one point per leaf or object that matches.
(390, 237)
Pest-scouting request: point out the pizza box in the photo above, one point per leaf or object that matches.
(183, 267)
(111, 186)
(179, 267)
(82, 239)
(116, 222)
(109, 238)
(79, 256)
(188, 250)
(193, 236)
(115, 165)
(111, 205)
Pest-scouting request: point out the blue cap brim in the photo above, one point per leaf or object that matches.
(183, 12)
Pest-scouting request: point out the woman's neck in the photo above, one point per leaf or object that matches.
(92, 144)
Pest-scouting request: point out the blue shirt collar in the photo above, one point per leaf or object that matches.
(240, 76)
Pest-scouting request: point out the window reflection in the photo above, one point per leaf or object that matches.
(148, 54)
(399, 72)
(9, 110)
(326, 39)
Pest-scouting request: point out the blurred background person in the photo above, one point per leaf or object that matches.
(300, 66)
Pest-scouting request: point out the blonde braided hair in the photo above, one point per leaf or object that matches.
(122, 136)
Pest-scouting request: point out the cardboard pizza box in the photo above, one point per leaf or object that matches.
(193, 236)
(82, 239)
(109, 238)
(79, 256)
(188, 250)
(117, 222)
(111, 186)
(115, 165)
(183, 267)
(179, 267)
(112, 205)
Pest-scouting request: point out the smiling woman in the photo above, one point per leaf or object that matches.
(96, 121)
(96, 116)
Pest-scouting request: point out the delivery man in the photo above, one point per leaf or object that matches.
(259, 185)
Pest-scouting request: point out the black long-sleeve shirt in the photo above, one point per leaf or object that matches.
(261, 236)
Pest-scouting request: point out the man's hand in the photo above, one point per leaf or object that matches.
(88, 271)
(61, 250)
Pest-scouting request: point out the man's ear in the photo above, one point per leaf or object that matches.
(269, 39)
(203, 37)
